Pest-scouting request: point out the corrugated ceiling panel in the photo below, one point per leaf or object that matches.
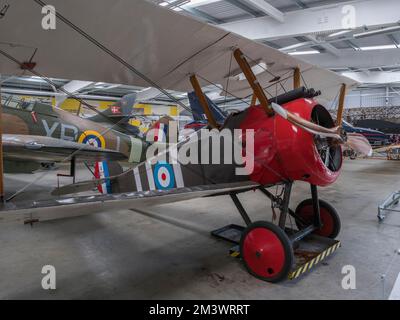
(223, 10)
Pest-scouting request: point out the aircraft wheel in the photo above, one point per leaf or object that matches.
(266, 251)
(329, 218)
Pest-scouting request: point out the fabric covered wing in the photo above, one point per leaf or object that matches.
(164, 45)
(47, 149)
(92, 204)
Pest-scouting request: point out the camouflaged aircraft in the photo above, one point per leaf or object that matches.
(119, 113)
(36, 134)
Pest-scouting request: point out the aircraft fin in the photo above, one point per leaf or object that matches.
(103, 170)
(197, 110)
(159, 131)
(121, 111)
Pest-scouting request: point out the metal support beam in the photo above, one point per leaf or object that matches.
(203, 101)
(315, 203)
(268, 9)
(285, 205)
(251, 78)
(240, 208)
(300, 4)
(319, 19)
(72, 87)
(326, 45)
(342, 95)
(394, 40)
(302, 233)
(244, 7)
(202, 15)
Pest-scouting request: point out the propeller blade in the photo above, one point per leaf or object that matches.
(305, 124)
(355, 141)
(359, 143)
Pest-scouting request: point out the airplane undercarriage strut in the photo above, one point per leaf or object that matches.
(271, 251)
(282, 204)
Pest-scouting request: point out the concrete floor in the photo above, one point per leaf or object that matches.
(167, 252)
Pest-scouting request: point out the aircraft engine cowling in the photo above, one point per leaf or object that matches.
(283, 151)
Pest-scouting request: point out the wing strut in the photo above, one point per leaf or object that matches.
(203, 101)
(296, 78)
(254, 84)
(253, 100)
(342, 95)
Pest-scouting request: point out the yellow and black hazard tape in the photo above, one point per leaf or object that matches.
(307, 266)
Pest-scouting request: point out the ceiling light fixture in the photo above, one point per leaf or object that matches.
(298, 53)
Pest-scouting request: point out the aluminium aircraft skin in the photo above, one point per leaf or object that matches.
(35, 133)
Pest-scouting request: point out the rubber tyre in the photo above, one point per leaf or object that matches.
(266, 251)
(329, 216)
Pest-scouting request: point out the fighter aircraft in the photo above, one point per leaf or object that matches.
(293, 135)
(119, 113)
(36, 134)
(376, 138)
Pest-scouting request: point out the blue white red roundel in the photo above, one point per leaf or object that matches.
(164, 177)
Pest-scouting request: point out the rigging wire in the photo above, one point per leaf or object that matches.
(265, 69)
(124, 63)
(217, 86)
(116, 57)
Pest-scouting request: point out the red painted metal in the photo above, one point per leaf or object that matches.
(328, 224)
(263, 252)
(283, 151)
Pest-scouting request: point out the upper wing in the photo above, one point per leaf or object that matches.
(163, 45)
(47, 149)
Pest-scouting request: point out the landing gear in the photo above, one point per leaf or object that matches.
(330, 220)
(266, 251)
(273, 252)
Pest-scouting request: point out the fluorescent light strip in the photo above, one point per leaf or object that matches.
(385, 47)
(299, 53)
(339, 33)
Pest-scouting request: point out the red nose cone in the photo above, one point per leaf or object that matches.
(283, 151)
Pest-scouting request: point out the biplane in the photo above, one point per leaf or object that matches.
(293, 136)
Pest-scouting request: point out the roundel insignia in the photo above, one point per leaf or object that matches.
(93, 138)
(164, 177)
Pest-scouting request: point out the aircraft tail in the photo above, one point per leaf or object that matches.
(120, 112)
(104, 170)
(158, 132)
(197, 110)
(123, 108)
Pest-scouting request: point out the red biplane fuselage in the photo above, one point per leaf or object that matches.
(283, 151)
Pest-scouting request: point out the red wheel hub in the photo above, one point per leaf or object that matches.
(307, 213)
(263, 252)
